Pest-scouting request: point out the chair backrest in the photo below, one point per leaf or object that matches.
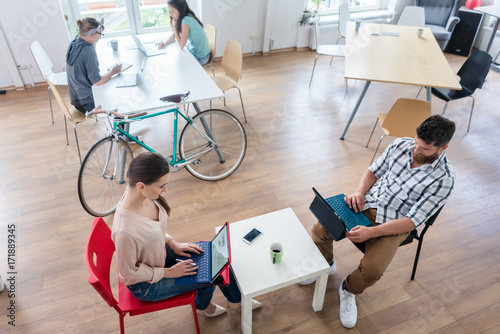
(405, 116)
(211, 33)
(438, 12)
(412, 16)
(98, 256)
(344, 17)
(475, 69)
(60, 100)
(232, 60)
(42, 59)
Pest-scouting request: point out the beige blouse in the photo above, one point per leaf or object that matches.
(140, 245)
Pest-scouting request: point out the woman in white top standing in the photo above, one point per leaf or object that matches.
(146, 253)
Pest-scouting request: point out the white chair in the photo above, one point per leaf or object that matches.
(412, 16)
(344, 17)
(333, 50)
(45, 66)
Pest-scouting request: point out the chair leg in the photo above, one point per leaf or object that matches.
(382, 137)
(213, 71)
(195, 316)
(242, 107)
(314, 66)
(471, 109)
(371, 134)
(66, 128)
(331, 60)
(419, 92)
(77, 144)
(122, 325)
(444, 109)
(415, 262)
(50, 102)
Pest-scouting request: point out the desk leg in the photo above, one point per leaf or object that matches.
(246, 314)
(355, 110)
(207, 129)
(429, 94)
(319, 292)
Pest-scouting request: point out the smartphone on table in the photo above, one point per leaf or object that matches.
(251, 236)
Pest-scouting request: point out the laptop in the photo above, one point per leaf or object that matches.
(132, 78)
(215, 258)
(148, 49)
(335, 216)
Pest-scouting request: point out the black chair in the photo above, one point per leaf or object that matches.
(413, 235)
(472, 76)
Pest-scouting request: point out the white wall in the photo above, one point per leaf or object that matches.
(26, 21)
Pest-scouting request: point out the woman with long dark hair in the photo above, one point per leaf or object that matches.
(188, 31)
(146, 253)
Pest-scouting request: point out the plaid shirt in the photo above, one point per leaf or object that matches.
(402, 191)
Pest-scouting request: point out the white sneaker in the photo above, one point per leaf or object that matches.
(218, 311)
(333, 269)
(348, 309)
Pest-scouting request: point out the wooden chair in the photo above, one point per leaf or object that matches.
(232, 63)
(412, 236)
(45, 66)
(402, 120)
(98, 256)
(211, 35)
(73, 115)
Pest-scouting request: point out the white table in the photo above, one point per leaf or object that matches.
(177, 71)
(254, 270)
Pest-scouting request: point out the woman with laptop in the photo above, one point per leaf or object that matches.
(188, 31)
(146, 253)
(82, 66)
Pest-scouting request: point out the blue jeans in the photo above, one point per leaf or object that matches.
(166, 288)
(203, 60)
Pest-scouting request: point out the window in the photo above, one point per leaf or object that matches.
(123, 16)
(326, 7)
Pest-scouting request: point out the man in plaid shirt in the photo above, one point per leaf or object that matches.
(402, 189)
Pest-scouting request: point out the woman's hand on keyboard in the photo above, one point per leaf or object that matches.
(182, 268)
(183, 248)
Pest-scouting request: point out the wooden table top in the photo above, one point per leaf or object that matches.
(403, 59)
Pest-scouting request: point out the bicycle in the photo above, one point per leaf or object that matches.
(212, 146)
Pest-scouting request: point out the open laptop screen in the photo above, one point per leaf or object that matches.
(220, 251)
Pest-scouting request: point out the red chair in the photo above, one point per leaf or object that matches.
(98, 255)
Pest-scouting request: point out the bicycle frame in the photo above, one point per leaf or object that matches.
(172, 160)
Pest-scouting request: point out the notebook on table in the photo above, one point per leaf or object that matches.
(213, 263)
(335, 216)
(148, 49)
(131, 78)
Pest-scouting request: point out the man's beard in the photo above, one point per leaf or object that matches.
(423, 159)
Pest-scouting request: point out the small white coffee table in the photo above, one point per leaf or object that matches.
(254, 270)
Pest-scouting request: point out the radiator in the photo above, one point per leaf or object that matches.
(495, 46)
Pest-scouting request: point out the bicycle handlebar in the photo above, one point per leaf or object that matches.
(114, 113)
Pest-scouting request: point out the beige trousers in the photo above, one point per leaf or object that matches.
(379, 253)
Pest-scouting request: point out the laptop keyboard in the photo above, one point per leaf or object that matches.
(203, 263)
(338, 204)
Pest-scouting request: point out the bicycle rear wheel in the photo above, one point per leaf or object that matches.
(211, 161)
(101, 181)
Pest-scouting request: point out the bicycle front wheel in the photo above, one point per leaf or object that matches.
(219, 157)
(101, 181)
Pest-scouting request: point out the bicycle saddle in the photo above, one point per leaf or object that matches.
(176, 98)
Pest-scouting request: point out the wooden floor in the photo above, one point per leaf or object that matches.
(293, 144)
